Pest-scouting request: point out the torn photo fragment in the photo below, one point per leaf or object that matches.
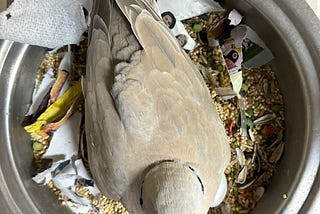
(173, 12)
(239, 44)
(69, 176)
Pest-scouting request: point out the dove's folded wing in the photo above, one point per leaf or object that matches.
(102, 120)
(125, 5)
(171, 69)
(101, 10)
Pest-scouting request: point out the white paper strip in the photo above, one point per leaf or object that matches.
(185, 9)
(65, 141)
(41, 91)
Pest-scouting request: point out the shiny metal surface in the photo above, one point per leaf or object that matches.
(292, 32)
(19, 194)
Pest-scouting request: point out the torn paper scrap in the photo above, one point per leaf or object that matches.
(232, 49)
(255, 51)
(81, 169)
(44, 177)
(67, 177)
(185, 9)
(182, 36)
(65, 182)
(236, 80)
(41, 91)
(235, 17)
(65, 141)
(178, 30)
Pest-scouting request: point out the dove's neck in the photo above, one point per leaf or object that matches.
(171, 187)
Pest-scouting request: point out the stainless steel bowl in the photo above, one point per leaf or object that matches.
(292, 32)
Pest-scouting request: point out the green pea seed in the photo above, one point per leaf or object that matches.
(37, 146)
(245, 87)
(220, 68)
(197, 27)
(249, 123)
(250, 112)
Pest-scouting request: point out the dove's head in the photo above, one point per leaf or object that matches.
(172, 187)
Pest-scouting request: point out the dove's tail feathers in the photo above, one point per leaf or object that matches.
(149, 28)
(133, 8)
(98, 23)
(101, 111)
(100, 108)
(152, 33)
(99, 48)
(125, 5)
(103, 11)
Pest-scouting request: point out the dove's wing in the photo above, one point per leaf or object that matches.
(101, 10)
(125, 5)
(163, 63)
(165, 102)
(102, 120)
(161, 47)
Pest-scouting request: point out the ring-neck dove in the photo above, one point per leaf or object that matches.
(155, 140)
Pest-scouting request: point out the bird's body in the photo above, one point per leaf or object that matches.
(149, 116)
